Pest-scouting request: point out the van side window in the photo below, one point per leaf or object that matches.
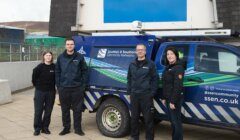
(216, 60)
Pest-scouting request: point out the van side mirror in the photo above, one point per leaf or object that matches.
(238, 70)
(238, 62)
(163, 62)
(184, 63)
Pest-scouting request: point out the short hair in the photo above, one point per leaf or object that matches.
(44, 53)
(69, 39)
(141, 45)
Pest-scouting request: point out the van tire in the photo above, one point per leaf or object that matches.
(113, 112)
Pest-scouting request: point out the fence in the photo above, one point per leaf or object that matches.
(11, 52)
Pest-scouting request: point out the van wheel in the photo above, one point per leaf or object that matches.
(113, 118)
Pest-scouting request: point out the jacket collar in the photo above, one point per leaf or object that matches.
(69, 56)
(172, 65)
(144, 63)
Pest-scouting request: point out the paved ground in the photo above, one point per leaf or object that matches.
(16, 123)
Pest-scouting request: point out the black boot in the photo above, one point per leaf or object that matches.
(64, 132)
(79, 132)
(36, 133)
(46, 131)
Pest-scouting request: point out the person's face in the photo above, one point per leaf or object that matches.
(70, 45)
(47, 58)
(171, 57)
(140, 51)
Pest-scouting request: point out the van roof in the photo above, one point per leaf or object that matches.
(197, 42)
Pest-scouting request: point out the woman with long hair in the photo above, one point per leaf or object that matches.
(43, 79)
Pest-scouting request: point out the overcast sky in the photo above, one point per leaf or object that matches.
(24, 10)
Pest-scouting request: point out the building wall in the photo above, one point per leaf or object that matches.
(62, 17)
(11, 35)
(229, 14)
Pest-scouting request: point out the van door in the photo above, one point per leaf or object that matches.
(213, 86)
(109, 65)
(110, 57)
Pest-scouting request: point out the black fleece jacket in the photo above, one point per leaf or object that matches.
(142, 78)
(71, 70)
(43, 77)
(173, 82)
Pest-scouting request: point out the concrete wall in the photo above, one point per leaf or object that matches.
(19, 74)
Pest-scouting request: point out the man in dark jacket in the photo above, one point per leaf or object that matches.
(71, 75)
(142, 86)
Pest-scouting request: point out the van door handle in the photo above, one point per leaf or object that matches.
(195, 79)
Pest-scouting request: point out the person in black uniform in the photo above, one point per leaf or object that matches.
(43, 79)
(172, 77)
(142, 85)
(71, 75)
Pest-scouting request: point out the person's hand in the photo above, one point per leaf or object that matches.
(164, 102)
(172, 106)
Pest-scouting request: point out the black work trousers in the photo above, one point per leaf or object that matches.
(142, 103)
(176, 120)
(71, 98)
(43, 104)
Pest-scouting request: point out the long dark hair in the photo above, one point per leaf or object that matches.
(175, 53)
(44, 53)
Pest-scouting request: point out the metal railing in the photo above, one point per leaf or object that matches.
(11, 52)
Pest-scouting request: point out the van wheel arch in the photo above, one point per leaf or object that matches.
(113, 117)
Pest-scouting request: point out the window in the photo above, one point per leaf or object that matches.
(216, 60)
